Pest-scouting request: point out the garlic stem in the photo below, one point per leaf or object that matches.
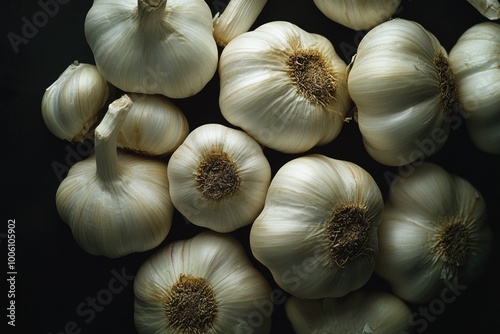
(151, 12)
(106, 135)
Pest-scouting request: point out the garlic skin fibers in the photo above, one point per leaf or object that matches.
(358, 15)
(488, 8)
(154, 126)
(475, 61)
(237, 18)
(72, 104)
(115, 203)
(205, 284)
(365, 312)
(153, 46)
(434, 232)
(404, 90)
(284, 86)
(219, 178)
(317, 233)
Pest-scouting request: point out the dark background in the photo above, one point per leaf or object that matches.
(55, 276)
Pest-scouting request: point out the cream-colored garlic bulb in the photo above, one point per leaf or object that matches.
(237, 18)
(488, 8)
(72, 104)
(358, 15)
(284, 86)
(404, 91)
(434, 234)
(475, 61)
(317, 233)
(153, 46)
(115, 203)
(205, 284)
(364, 312)
(154, 126)
(219, 178)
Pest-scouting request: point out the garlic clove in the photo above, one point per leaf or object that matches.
(298, 86)
(154, 126)
(73, 103)
(488, 8)
(475, 60)
(200, 285)
(237, 18)
(219, 178)
(317, 233)
(153, 47)
(115, 203)
(358, 15)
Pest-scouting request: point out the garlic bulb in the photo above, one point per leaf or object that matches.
(358, 15)
(284, 86)
(153, 46)
(359, 312)
(488, 8)
(317, 233)
(475, 61)
(115, 203)
(404, 91)
(237, 18)
(205, 284)
(434, 234)
(219, 178)
(71, 105)
(154, 126)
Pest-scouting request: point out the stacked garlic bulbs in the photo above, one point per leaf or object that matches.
(358, 15)
(285, 87)
(434, 234)
(317, 233)
(475, 60)
(219, 178)
(205, 284)
(404, 91)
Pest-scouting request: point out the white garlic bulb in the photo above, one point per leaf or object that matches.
(434, 234)
(237, 18)
(284, 86)
(475, 61)
(358, 15)
(72, 104)
(205, 284)
(115, 203)
(488, 8)
(365, 312)
(154, 126)
(317, 233)
(404, 91)
(219, 178)
(153, 46)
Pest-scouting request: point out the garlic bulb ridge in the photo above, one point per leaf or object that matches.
(284, 86)
(153, 46)
(488, 8)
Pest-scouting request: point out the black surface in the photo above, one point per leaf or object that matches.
(56, 281)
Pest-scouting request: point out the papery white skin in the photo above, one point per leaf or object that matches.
(237, 18)
(239, 288)
(115, 203)
(225, 214)
(258, 95)
(394, 84)
(358, 312)
(358, 15)
(290, 235)
(169, 51)
(154, 126)
(475, 60)
(488, 8)
(71, 105)
(417, 207)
